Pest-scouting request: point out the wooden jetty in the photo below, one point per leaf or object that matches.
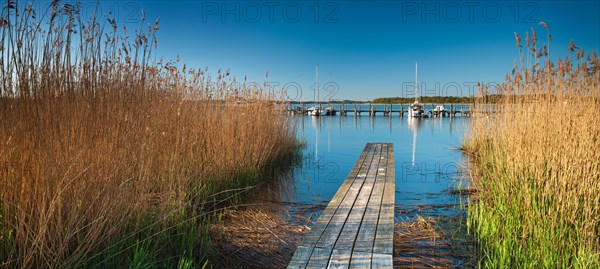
(356, 229)
(385, 109)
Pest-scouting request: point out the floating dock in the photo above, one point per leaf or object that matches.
(356, 229)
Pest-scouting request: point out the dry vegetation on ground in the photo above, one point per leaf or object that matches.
(255, 239)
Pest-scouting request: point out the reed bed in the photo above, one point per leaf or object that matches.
(109, 158)
(537, 163)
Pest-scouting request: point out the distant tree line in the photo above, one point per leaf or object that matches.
(491, 99)
(425, 99)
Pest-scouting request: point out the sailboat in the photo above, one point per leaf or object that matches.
(316, 110)
(416, 109)
(330, 111)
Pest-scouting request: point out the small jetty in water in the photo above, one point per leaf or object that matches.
(356, 229)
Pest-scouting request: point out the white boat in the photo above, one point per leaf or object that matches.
(416, 109)
(439, 109)
(314, 111)
(330, 111)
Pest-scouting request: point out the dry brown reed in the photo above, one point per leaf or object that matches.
(538, 168)
(96, 139)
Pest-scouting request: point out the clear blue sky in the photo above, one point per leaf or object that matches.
(369, 47)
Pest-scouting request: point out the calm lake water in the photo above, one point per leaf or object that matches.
(428, 162)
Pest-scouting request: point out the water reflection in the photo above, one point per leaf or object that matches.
(413, 125)
(316, 121)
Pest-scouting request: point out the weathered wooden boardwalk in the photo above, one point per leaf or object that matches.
(356, 230)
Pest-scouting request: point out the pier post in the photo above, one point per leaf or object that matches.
(401, 110)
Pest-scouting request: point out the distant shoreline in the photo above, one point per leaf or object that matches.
(401, 100)
(492, 98)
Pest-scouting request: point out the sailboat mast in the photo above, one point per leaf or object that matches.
(417, 81)
(328, 85)
(317, 86)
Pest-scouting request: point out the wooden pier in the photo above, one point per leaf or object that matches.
(386, 110)
(356, 229)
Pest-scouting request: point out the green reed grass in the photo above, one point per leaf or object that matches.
(111, 159)
(537, 164)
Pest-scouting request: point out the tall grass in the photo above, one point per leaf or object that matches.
(538, 163)
(108, 158)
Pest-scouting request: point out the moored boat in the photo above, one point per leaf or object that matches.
(416, 110)
(314, 111)
(330, 111)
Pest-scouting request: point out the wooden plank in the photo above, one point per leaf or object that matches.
(360, 259)
(382, 260)
(390, 171)
(384, 239)
(340, 258)
(319, 258)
